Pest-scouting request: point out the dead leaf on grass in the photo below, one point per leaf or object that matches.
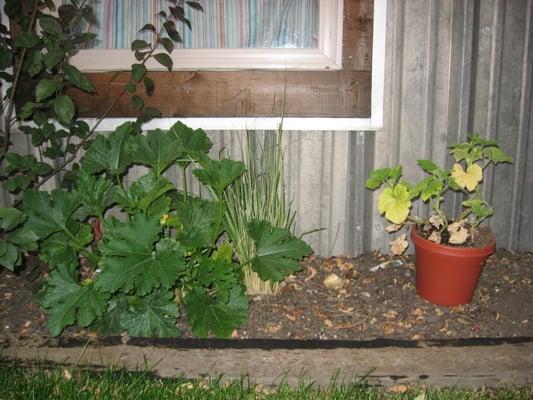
(67, 374)
(328, 323)
(399, 245)
(421, 396)
(399, 389)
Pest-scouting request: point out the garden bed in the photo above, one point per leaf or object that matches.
(375, 320)
(371, 304)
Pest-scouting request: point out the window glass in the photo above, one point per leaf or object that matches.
(224, 24)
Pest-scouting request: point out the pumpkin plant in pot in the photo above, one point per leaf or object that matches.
(450, 250)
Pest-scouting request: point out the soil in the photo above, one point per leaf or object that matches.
(377, 300)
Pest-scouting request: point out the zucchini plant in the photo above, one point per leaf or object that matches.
(155, 246)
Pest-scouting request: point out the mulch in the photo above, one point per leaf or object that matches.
(366, 303)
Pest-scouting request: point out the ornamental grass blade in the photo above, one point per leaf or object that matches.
(277, 251)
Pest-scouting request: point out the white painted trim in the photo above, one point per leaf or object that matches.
(378, 64)
(328, 55)
(211, 124)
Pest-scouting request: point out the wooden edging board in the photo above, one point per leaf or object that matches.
(471, 362)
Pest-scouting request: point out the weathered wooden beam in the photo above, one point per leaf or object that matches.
(237, 94)
(467, 363)
(357, 35)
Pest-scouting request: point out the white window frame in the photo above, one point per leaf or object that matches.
(328, 55)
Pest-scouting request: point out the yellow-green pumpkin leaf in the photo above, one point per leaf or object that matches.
(395, 204)
(468, 179)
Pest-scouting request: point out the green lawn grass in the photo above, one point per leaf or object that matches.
(39, 383)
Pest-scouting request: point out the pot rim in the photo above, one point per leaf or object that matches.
(420, 241)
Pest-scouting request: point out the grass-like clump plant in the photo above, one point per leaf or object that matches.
(259, 194)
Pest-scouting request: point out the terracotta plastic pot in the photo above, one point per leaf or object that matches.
(447, 275)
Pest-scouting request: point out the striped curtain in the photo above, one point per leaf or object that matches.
(227, 24)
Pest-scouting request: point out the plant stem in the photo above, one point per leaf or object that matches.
(18, 72)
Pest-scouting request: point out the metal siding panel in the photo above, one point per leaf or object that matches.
(452, 67)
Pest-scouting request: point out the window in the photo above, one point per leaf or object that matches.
(344, 99)
(229, 34)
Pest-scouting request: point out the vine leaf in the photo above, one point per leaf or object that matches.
(44, 89)
(277, 251)
(152, 315)
(70, 302)
(130, 262)
(64, 109)
(76, 77)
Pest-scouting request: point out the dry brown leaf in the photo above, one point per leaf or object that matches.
(389, 329)
(393, 227)
(234, 334)
(399, 245)
(436, 221)
(435, 237)
(328, 323)
(273, 328)
(312, 273)
(390, 314)
(458, 236)
(332, 281)
(289, 316)
(415, 337)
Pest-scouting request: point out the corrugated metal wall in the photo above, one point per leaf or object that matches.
(452, 67)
